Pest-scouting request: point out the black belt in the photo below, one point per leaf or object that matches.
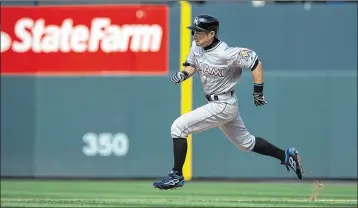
(216, 97)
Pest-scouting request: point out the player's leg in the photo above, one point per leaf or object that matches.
(208, 116)
(237, 133)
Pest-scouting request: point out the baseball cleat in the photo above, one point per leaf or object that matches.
(293, 161)
(172, 181)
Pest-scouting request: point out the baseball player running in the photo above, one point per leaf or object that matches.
(219, 67)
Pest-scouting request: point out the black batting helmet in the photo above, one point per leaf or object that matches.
(205, 23)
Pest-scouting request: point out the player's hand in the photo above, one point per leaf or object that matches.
(178, 77)
(259, 99)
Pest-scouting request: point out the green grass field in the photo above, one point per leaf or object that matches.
(37, 193)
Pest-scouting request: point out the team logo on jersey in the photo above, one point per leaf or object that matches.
(245, 54)
(211, 70)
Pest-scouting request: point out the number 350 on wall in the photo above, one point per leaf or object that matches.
(105, 144)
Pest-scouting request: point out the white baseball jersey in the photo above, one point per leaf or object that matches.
(220, 67)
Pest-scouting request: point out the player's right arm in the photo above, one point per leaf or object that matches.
(188, 70)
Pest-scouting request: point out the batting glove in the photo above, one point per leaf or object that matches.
(179, 77)
(259, 99)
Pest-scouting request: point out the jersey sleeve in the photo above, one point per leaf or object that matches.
(189, 61)
(243, 57)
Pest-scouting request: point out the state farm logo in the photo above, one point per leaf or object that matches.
(101, 35)
(5, 41)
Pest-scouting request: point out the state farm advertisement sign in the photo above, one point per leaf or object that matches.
(82, 40)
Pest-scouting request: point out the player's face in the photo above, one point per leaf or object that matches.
(202, 39)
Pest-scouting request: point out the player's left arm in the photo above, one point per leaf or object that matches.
(257, 74)
(246, 58)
